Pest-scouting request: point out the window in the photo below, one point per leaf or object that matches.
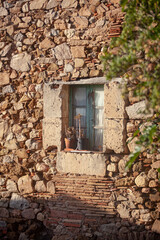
(87, 102)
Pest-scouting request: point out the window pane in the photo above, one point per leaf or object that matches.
(82, 112)
(99, 96)
(98, 117)
(79, 96)
(98, 138)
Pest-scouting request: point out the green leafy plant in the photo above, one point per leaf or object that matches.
(135, 56)
(70, 133)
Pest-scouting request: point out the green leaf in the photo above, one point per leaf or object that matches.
(133, 157)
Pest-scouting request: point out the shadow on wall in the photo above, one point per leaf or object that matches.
(64, 217)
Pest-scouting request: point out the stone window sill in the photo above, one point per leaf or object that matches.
(89, 163)
(83, 151)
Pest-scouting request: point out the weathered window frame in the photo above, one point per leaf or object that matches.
(56, 117)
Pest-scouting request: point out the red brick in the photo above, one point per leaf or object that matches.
(59, 214)
(88, 220)
(49, 222)
(75, 216)
(69, 224)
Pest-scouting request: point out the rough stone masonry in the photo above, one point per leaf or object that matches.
(43, 41)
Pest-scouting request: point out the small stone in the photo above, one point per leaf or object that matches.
(81, 22)
(24, 98)
(11, 144)
(4, 78)
(145, 190)
(54, 32)
(29, 41)
(53, 67)
(6, 50)
(37, 4)
(130, 127)
(7, 89)
(152, 174)
(21, 153)
(21, 89)
(156, 165)
(1, 65)
(137, 167)
(2, 44)
(13, 74)
(25, 7)
(2, 181)
(60, 24)
(46, 44)
(115, 158)
(95, 2)
(112, 167)
(135, 213)
(132, 144)
(158, 206)
(156, 226)
(68, 68)
(155, 197)
(62, 52)
(34, 134)
(25, 184)
(21, 62)
(75, 74)
(36, 177)
(51, 187)
(69, 32)
(78, 52)
(27, 19)
(85, 11)
(40, 217)
(3, 128)
(28, 213)
(141, 180)
(3, 12)
(19, 37)
(69, 4)
(94, 73)
(52, 4)
(122, 165)
(5, 194)
(40, 23)
(11, 186)
(18, 202)
(40, 186)
(121, 198)
(100, 11)
(145, 215)
(8, 159)
(79, 62)
(136, 110)
(153, 184)
(123, 211)
(84, 72)
(42, 167)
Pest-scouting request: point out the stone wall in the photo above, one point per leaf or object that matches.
(55, 41)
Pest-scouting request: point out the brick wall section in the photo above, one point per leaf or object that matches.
(79, 201)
